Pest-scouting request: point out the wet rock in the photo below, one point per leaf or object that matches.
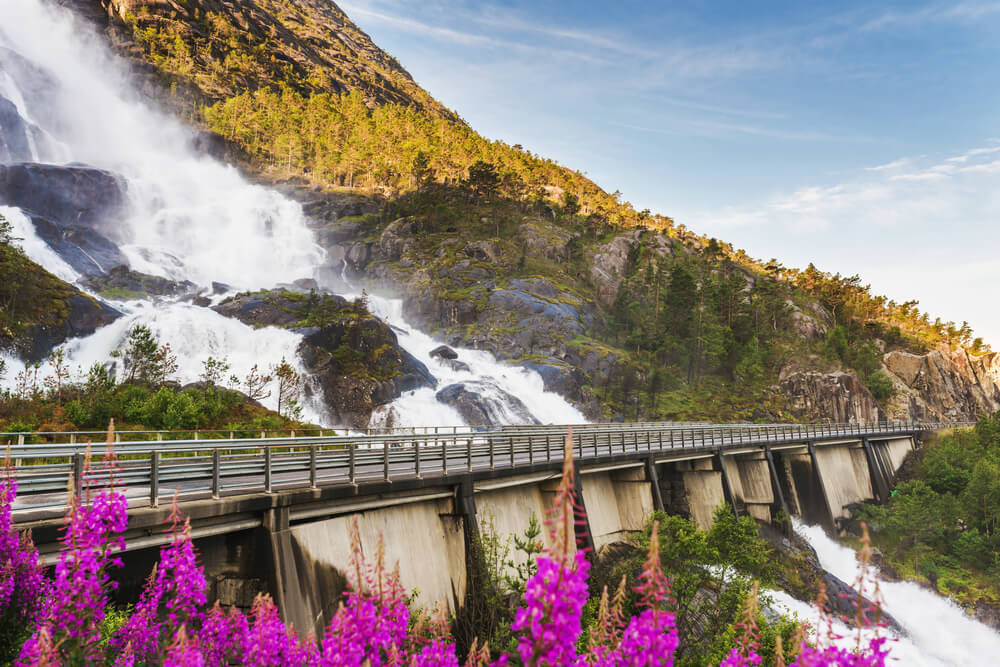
(87, 251)
(85, 316)
(455, 365)
(14, 134)
(126, 284)
(72, 195)
(444, 352)
(801, 575)
(353, 359)
(485, 404)
(987, 612)
(885, 570)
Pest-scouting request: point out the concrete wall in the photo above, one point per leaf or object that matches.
(509, 508)
(705, 493)
(618, 504)
(424, 539)
(750, 479)
(844, 471)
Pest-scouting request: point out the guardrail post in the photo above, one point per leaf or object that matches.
(510, 443)
(154, 479)
(159, 436)
(385, 460)
(531, 450)
(312, 466)
(444, 457)
(20, 439)
(416, 457)
(216, 473)
(77, 474)
(72, 438)
(350, 464)
(267, 469)
(195, 434)
(468, 454)
(548, 450)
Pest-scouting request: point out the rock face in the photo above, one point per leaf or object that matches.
(354, 360)
(75, 209)
(15, 143)
(943, 385)
(484, 404)
(610, 265)
(839, 397)
(70, 195)
(86, 315)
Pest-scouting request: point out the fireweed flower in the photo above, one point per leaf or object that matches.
(268, 642)
(221, 636)
(73, 613)
(173, 596)
(183, 652)
(23, 585)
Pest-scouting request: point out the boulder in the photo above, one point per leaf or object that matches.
(444, 352)
(545, 241)
(455, 365)
(485, 250)
(484, 404)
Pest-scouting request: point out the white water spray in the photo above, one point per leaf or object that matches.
(485, 375)
(938, 632)
(191, 217)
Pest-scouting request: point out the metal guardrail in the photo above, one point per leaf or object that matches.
(212, 468)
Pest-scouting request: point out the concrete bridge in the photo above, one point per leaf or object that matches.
(272, 514)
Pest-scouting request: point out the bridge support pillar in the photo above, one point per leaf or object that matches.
(654, 481)
(828, 521)
(880, 486)
(727, 488)
(584, 535)
(283, 579)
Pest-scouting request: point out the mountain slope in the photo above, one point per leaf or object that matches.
(220, 48)
(622, 311)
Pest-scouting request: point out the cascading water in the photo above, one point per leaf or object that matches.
(938, 632)
(189, 217)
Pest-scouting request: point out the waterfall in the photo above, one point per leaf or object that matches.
(938, 632)
(189, 217)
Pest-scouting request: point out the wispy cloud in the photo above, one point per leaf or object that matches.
(687, 126)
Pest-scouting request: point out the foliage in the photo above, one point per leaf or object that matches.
(54, 396)
(943, 522)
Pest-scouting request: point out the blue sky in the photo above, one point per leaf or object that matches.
(862, 137)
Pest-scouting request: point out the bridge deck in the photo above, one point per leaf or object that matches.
(149, 472)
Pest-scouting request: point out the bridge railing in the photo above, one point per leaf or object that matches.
(146, 470)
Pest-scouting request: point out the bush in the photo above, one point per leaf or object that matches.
(880, 385)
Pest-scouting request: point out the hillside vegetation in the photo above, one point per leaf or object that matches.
(627, 312)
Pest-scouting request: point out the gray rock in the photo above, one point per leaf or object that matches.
(74, 195)
(14, 139)
(484, 404)
(89, 252)
(444, 352)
